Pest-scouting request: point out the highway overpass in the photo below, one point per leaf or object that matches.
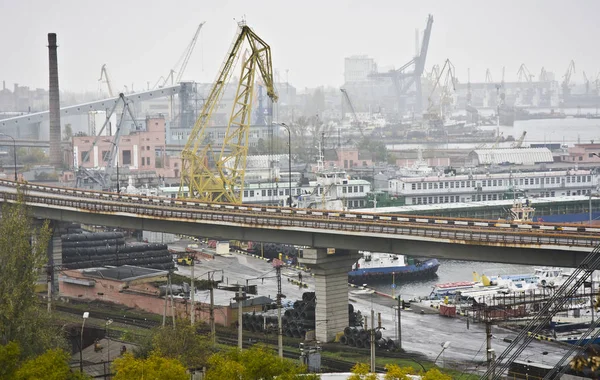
(451, 238)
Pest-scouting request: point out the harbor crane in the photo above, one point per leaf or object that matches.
(587, 83)
(181, 64)
(102, 177)
(357, 122)
(403, 79)
(216, 173)
(524, 74)
(519, 143)
(498, 140)
(449, 85)
(104, 77)
(566, 84)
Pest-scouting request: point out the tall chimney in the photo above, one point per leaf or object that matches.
(56, 157)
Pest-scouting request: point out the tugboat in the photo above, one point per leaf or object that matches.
(387, 267)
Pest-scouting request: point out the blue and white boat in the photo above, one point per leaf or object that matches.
(387, 267)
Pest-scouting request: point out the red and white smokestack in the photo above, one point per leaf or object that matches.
(56, 156)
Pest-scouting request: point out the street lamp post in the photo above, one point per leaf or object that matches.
(85, 316)
(107, 340)
(287, 128)
(14, 151)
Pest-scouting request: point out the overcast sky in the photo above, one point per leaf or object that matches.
(141, 40)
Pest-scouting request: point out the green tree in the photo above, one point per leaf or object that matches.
(67, 132)
(257, 362)
(22, 257)
(435, 374)
(377, 149)
(51, 365)
(183, 344)
(155, 367)
(10, 355)
(362, 371)
(395, 372)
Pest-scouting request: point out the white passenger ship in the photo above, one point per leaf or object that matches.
(492, 186)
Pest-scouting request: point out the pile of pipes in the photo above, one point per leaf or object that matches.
(87, 250)
(296, 321)
(361, 338)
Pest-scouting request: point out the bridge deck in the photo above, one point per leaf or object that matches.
(527, 243)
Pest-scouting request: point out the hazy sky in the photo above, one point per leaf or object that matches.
(140, 40)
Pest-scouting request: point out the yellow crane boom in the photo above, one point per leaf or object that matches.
(218, 175)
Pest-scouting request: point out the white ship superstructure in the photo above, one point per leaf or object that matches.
(492, 186)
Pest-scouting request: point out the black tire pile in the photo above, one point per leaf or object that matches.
(361, 338)
(272, 250)
(295, 321)
(90, 250)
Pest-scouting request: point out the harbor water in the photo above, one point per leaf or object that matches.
(567, 131)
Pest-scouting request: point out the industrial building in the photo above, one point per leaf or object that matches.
(520, 156)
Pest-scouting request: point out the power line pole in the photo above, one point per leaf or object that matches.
(372, 341)
(193, 291)
(240, 299)
(213, 334)
(399, 321)
(279, 296)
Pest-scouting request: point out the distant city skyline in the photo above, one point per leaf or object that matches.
(140, 41)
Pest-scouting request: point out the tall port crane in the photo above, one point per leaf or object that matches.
(104, 76)
(524, 74)
(447, 86)
(566, 84)
(587, 83)
(357, 122)
(181, 64)
(403, 79)
(218, 174)
(519, 142)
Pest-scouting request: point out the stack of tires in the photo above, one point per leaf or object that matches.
(272, 250)
(86, 250)
(296, 321)
(361, 338)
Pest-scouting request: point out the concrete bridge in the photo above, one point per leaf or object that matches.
(347, 232)
(452, 238)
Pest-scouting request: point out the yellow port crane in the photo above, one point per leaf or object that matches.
(218, 174)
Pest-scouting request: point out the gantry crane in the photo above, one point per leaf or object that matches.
(403, 80)
(181, 64)
(519, 142)
(219, 175)
(448, 86)
(524, 74)
(357, 122)
(566, 84)
(104, 76)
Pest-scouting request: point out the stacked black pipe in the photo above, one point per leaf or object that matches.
(361, 338)
(296, 321)
(272, 250)
(89, 250)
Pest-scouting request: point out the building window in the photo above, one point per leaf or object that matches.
(126, 157)
(413, 186)
(251, 193)
(85, 157)
(452, 185)
(245, 193)
(362, 189)
(344, 189)
(356, 189)
(143, 161)
(349, 189)
(264, 193)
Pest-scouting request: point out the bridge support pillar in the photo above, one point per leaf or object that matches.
(330, 268)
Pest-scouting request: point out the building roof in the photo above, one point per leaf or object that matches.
(124, 273)
(520, 156)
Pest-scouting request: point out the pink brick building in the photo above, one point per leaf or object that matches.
(132, 287)
(139, 151)
(583, 153)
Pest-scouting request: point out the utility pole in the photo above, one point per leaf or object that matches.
(399, 321)
(372, 341)
(49, 282)
(172, 300)
(239, 299)
(279, 296)
(213, 334)
(192, 291)
(488, 339)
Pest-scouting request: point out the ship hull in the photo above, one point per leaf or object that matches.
(425, 269)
